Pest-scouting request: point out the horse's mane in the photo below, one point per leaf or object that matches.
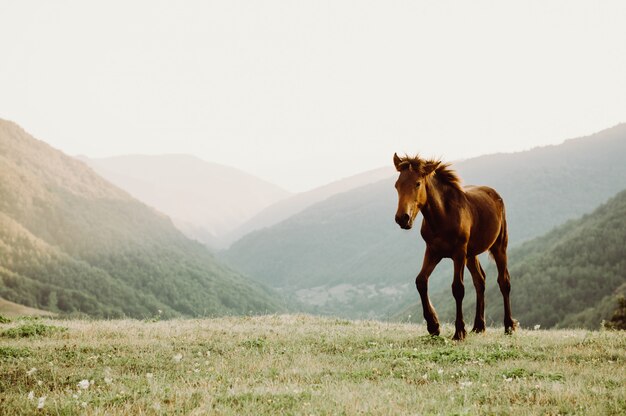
(442, 171)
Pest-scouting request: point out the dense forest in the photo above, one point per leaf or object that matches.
(346, 255)
(70, 242)
(570, 277)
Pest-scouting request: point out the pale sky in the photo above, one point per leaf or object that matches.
(301, 93)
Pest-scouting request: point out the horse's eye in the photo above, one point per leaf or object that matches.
(417, 185)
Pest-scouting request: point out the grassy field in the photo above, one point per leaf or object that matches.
(296, 364)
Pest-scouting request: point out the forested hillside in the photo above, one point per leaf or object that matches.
(71, 242)
(569, 277)
(346, 255)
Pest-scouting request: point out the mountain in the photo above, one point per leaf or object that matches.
(205, 200)
(72, 242)
(346, 256)
(569, 277)
(297, 203)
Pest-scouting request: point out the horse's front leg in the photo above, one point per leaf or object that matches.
(421, 282)
(458, 290)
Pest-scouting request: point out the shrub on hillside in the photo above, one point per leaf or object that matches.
(618, 320)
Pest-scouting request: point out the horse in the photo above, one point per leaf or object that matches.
(458, 223)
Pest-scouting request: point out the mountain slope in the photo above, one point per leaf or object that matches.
(71, 242)
(571, 268)
(297, 203)
(566, 278)
(205, 200)
(14, 310)
(346, 255)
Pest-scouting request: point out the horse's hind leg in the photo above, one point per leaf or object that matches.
(478, 276)
(504, 281)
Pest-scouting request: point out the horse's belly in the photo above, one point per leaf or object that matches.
(476, 249)
(486, 220)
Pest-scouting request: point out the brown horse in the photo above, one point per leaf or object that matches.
(459, 223)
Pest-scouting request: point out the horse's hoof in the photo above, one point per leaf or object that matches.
(433, 329)
(459, 335)
(478, 329)
(509, 328)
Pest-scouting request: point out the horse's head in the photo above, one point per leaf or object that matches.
(411, 187)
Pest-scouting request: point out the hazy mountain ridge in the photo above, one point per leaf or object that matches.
(350, 242)
(72, 242)
(297, 203)
(205, 200)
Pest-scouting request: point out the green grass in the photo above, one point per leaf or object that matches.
(296, 364)
(30, 328)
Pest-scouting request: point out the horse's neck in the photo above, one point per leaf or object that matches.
(435, 211)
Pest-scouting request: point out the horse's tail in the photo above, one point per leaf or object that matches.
(502, 241)
(504, 232)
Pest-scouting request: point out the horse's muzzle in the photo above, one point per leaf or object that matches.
(404, 221)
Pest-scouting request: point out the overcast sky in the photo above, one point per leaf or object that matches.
(304, 92)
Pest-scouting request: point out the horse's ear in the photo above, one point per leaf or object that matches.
(396, 161)
(430, 167)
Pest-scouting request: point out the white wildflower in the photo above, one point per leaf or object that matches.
(108, 380)
(508, 380)
(83, 384)
(440, 371)
(178, 357)
(537, 327)
(39, 383)
(149, 375)
(31, 371)
(31, 395)
(41, 403)
(83, 404)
